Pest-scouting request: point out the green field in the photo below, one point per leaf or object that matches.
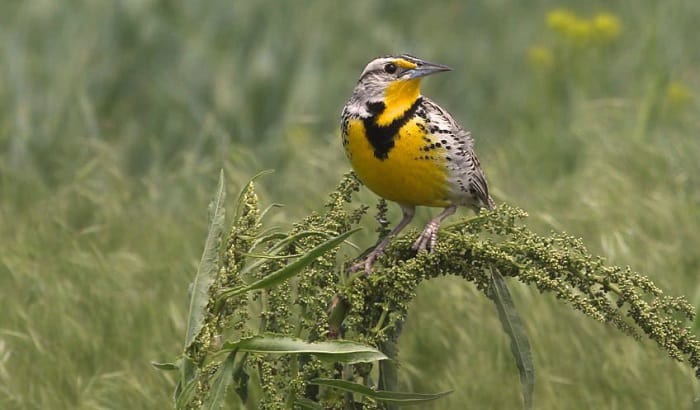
(116, 116)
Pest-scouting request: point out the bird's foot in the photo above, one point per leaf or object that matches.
(428, 238)
(367, 263)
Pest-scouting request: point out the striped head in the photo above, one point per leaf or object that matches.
(388, 86)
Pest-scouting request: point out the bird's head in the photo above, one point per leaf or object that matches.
(393, 83)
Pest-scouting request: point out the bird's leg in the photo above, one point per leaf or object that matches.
(428, 238)
(367, 263)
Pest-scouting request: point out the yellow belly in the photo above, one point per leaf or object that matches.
(406, 176)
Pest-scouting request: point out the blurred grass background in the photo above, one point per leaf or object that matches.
(115, 117)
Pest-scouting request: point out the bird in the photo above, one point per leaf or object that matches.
(407, 149)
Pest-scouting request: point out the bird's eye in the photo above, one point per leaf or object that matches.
(390, 68)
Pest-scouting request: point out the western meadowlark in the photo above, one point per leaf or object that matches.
(409, 150)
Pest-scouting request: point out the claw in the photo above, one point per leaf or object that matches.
(427, 240)
(367, 263)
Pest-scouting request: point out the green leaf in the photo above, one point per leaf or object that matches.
(344, 351)
(389, 370)
(269, 207)
(220, 383)
(292, 269)
(305, 403)
(267, 236)
(280, 246)
(393, 397)
(240, 378)
(513, 326)
(270, 257)
(208, 266)
(186, 386)
(165, 366)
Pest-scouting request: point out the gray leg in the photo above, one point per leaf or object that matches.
(428, 238)
(408, 212)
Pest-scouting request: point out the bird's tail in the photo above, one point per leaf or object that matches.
(490, 204)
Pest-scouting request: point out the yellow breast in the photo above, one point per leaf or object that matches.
(408, 175)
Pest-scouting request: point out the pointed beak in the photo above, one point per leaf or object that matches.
(426, 68)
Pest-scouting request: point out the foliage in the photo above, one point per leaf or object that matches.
(305, 306)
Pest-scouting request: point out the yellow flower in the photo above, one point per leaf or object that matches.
(540, 57)
(580, 30)
(560, 20)
(569, 25)
(606, 26)
(677, 94)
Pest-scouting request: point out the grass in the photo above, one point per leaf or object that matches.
(115, 118)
